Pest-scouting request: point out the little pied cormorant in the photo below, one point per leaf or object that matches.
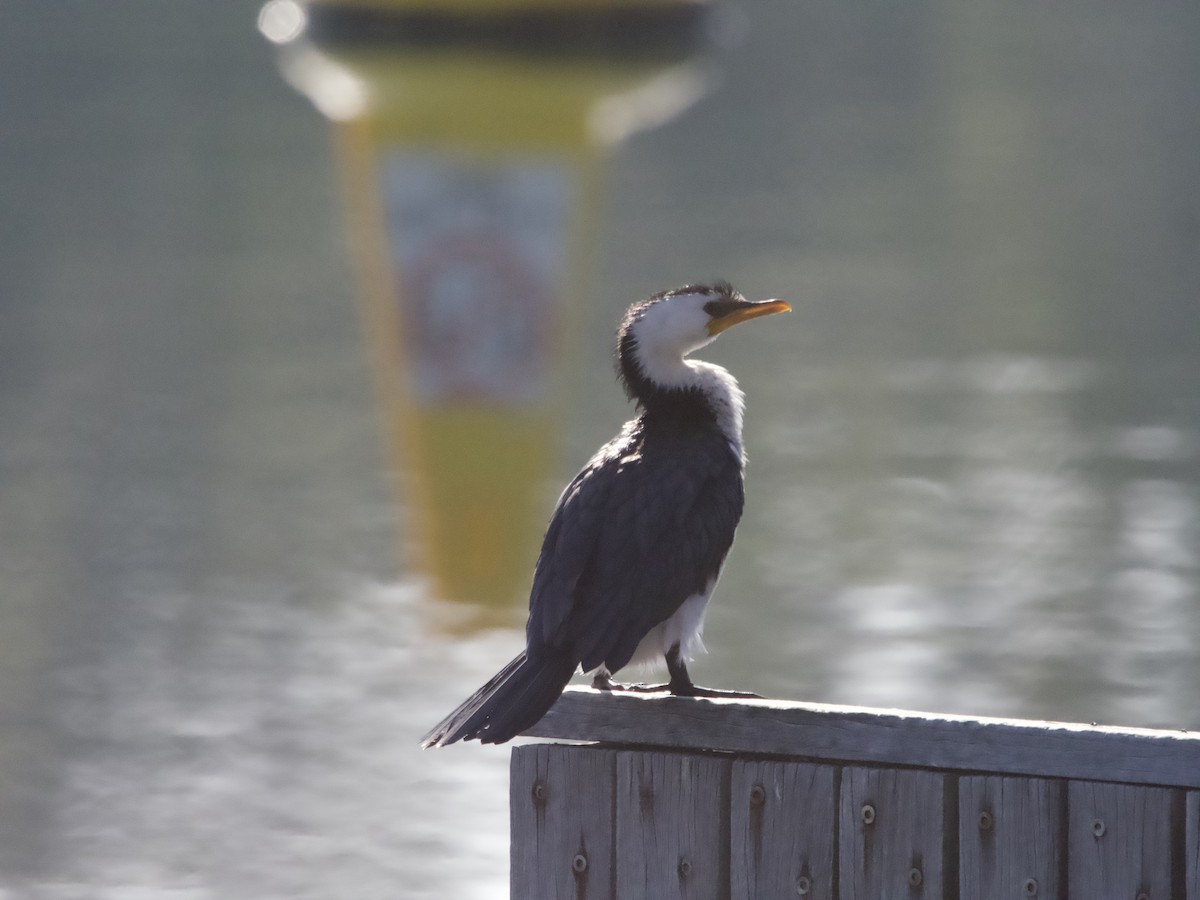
(638, 538)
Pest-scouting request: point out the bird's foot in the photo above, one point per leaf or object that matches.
(604, 682)
(694, 690)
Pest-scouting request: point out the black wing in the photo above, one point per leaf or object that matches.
(644, 526)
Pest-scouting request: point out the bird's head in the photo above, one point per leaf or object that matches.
(657, 333)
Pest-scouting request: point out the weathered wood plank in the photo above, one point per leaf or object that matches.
(1011, 837)
(672, 838)
(891, 834)
(781, 828)
(896, 737)
(1119, 843)
(1192, 845)
(561, 812)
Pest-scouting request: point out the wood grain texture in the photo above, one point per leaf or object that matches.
(1119, 841)
(561, 817)
(1011, 837)
(891, 831)
(671, 828)
(1192, 845)
(894, 737)
(782, 827)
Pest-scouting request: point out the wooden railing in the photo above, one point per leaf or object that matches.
(748, 799)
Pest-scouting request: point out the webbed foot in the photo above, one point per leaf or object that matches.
(681, 683)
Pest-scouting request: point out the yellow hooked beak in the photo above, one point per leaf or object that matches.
(744, 311)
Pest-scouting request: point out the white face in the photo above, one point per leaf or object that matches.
(668, 331)
(675, 326)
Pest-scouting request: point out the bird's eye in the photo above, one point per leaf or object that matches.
(721, 306)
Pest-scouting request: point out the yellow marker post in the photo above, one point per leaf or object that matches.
(470, 132)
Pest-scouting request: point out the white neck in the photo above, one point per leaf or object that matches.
(671, 371)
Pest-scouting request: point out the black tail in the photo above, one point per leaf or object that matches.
(512, 700)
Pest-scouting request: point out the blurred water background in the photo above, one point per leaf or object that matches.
(975, 447)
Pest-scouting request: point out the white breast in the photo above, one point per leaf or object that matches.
(685, 628)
